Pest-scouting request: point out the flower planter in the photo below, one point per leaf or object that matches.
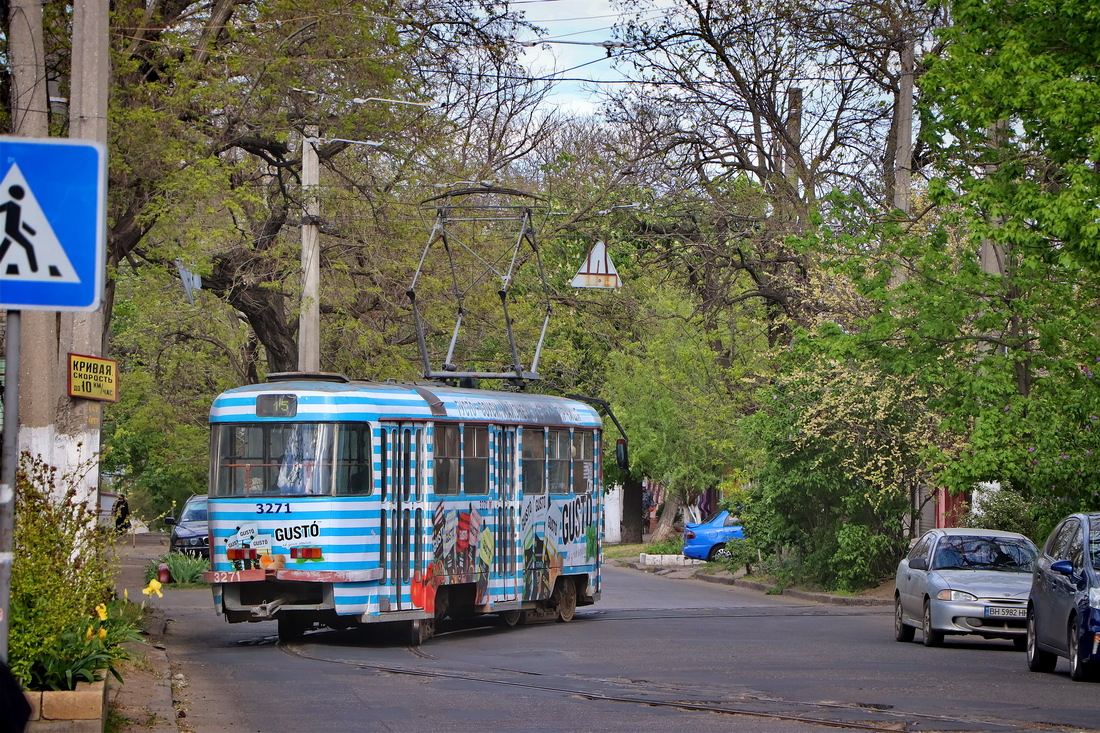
(83, 710)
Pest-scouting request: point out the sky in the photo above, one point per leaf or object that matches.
(575, 22)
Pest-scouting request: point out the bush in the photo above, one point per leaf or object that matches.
(185, 569)
(65, 624)
(743, 554)
(1003, 507)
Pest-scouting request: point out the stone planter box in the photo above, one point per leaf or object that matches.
(83, 710)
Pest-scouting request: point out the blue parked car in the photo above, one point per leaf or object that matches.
(1063, 613)
(707, 540)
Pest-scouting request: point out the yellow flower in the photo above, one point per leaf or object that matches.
(126, 593)
(153, 587)
(102, 634)
(88, 634)
(101, 611)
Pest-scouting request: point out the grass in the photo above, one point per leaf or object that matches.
(623, 552)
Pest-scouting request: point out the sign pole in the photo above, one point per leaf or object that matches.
(9, 463)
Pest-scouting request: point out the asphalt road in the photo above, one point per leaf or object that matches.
(656, 654)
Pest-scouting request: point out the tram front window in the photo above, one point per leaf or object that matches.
(291, 459)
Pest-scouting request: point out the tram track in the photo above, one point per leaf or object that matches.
(864, 717)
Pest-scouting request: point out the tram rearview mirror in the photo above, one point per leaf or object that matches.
(621, 458)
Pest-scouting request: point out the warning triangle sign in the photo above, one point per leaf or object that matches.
(598, 271)
(29, 250)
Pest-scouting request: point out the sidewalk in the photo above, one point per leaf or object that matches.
(709, 575)
(144, 698)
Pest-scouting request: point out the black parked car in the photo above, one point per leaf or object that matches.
(189, 532)
(1063, 612)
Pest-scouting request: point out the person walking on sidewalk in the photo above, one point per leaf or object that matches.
(121, 510)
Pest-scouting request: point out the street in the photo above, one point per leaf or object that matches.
(657, 653)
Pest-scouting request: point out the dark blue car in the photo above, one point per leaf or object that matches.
(707, 540)
(1063, 612)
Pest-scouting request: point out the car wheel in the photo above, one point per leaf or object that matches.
(1079, 670)
(1037, 659)
(719, 552)
(931, 636)
(902, 630)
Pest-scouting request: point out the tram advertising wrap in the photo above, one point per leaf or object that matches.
(337, 503)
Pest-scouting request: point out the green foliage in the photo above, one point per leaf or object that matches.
(184, 568)
(1012, 115)
(65, 627)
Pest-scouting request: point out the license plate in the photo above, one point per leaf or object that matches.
(1006, 612)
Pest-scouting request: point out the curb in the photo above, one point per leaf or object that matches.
(725, 578)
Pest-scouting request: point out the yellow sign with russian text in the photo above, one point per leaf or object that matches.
(93, 378)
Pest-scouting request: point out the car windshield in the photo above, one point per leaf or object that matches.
(194, 511)
(958, 552)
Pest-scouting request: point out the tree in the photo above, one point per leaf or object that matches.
(679, 405)
(783, 101)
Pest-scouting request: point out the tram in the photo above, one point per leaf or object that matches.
(338, 502)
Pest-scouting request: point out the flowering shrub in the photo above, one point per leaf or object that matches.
(65, 627)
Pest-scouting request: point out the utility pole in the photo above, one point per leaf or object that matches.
(309, 321)
(29, 119)
(903, 157)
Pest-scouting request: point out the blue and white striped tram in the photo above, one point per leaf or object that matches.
(339, 502)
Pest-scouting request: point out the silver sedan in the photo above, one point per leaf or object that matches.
(964, 581)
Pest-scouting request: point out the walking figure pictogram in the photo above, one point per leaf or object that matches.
(14, 226)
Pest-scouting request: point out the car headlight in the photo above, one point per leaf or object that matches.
(1094, 597)
(955, 595)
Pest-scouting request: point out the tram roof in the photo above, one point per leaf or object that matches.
(329, 400)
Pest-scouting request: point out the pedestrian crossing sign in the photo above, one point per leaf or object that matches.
(53, 204)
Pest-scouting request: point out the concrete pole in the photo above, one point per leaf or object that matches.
(30, 118)
(903, 164)
(903, 157)
(309, 321)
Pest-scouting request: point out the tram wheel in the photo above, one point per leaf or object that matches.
(420, 630)
(565, 598)
(511, 618)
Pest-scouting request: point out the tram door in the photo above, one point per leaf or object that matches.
(506, 562)
(404, 519)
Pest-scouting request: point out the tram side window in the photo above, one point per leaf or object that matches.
(447, 457)
(584, 467)
(475, 448)
(534, 461)
(558, 459)
(353, 460)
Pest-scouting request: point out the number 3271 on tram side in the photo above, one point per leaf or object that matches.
(338, 503)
